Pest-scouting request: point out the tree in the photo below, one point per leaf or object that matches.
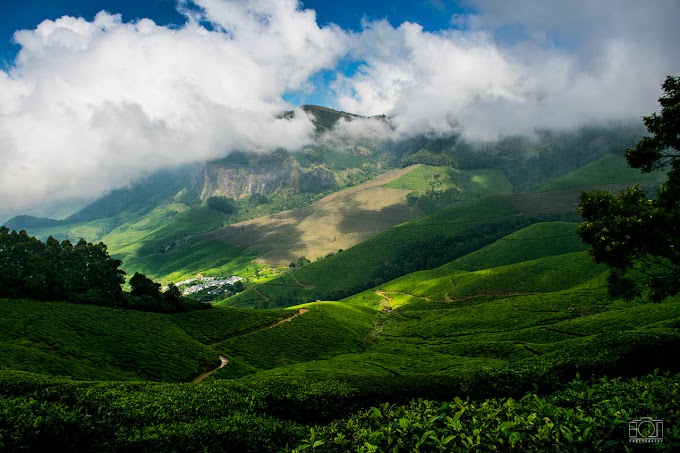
(143, 286)
(638, 238)
(222, 204)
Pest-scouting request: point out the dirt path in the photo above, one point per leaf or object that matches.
(200, 378)
(299, 282)
(264, 296)
(224, 360)
(301, 311)
(385, 297)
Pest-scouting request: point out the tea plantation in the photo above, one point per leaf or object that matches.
(512, 342)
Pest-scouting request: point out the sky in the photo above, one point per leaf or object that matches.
(96, 94)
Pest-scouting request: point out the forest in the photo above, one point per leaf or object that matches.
(82, 273)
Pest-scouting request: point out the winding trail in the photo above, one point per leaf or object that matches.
(302, 285)
(264, 296)
(301, 311)
(224, 359)
(385, 297)
(200, 378)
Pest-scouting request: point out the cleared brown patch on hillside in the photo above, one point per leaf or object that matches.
(338, 221)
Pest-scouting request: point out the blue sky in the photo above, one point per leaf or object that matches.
(94, 101)
(433, 15)
(21, 14)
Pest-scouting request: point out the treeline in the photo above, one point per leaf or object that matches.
(82, 273)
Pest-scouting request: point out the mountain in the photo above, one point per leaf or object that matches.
(459, 303)
(252, 214)
(323, 118)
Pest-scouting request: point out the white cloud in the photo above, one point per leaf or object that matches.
(90, 106)
(517, 66)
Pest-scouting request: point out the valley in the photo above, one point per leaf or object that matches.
(423, 291)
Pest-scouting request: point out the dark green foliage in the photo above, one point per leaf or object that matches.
(258, 199)
(146, 295)
(53, 270)
(22, 222)
(142, 286)
(85, 273)
(639, 238)
(90, 342)
(39, 414)
(222, 204)
(585, 415)
(421, 244)
(302, 261)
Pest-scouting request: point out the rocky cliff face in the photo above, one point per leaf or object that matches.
(275, 174)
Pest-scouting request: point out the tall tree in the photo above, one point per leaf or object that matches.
(638, 237)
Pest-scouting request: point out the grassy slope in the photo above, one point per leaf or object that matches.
(608, 170)
(363, 263)
(426, 335)
(447, 320)
(162, 243)
(443, 321)
(466, 184)
(337, 221)
(535, 241)
(327, 329)
(92, 342)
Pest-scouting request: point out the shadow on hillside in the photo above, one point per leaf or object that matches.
(314, 231)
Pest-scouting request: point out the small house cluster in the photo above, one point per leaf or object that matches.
(200, 283)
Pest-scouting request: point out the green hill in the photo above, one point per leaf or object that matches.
(608, 170)
(535, 241)
(427, 242)
(90, 342)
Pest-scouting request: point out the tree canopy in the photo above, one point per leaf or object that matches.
(54, 270)
(636, 236)
(84, 273)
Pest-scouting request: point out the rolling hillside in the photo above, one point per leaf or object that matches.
(609, 170)
(519, 317)
(443, 236)
(89, 342)
(337, 221)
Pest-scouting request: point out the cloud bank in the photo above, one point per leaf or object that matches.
(515, 66)
(93, 105)
(90, 106)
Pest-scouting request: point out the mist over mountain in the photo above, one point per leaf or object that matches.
(346, 150)
(95, 104)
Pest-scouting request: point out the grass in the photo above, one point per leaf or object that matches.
(364, 265)
(95, 342)
(535, 241)
(337, 221)
(542, 275)
(213, 326)
(90, 342)
(326, 330)
(466, 184)
(608, 170)
(495, 337)
(447, 320)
